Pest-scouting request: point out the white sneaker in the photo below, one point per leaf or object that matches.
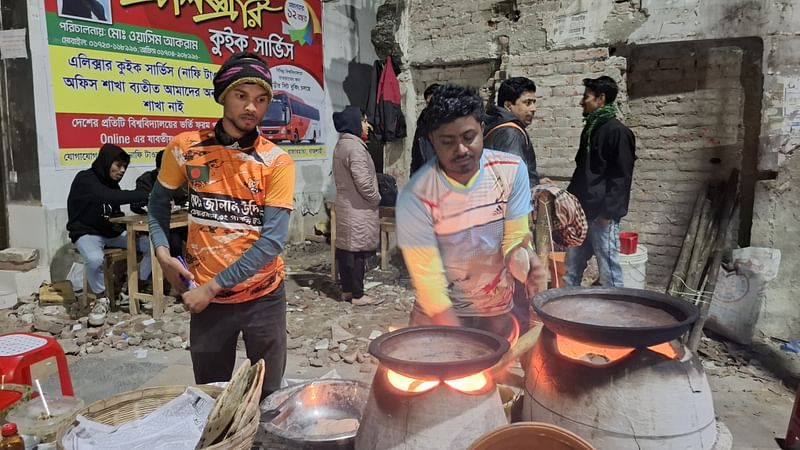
(99, 312)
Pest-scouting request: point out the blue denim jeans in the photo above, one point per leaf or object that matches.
(602, 241)
(91, 246)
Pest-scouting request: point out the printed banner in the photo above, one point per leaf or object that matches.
(137, 72)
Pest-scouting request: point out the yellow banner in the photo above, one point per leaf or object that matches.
(83, 157)
(98, 82)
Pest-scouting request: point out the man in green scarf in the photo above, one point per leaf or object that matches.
(601, 182)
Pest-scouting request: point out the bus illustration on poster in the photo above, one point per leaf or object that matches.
(290, 119)
(148, 66)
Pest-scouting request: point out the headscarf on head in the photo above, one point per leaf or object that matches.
(108, 154)
(241, 68)
(349, 120)
(159, 157)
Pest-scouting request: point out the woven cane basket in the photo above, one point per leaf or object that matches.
(133, 405)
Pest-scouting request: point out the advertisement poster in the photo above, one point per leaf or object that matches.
(135, 73)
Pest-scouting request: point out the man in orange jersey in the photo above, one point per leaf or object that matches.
(240, 197)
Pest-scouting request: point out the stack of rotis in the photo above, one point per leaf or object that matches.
(235, 410)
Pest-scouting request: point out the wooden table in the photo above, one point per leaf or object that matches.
(138, 224)
(387, 225)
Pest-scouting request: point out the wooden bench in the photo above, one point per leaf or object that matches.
(111, 256)
(387, 225)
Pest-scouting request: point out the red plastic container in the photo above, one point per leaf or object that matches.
(793, 432)
(628, 241)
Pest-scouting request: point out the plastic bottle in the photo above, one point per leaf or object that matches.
(11, 440)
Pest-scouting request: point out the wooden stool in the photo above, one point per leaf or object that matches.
(387, 225)
(111, 256)
(19, 351)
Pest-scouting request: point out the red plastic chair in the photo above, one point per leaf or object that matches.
(19, 351)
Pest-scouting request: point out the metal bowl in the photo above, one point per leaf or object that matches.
(315, 415)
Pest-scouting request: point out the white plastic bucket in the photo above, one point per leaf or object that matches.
(634, 268)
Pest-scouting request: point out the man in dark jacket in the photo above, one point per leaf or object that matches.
(602, 182)
(422, 149)
(94, 197)
(145, 183)
(84, 8)
(506, 122)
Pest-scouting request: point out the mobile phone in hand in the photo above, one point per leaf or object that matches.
(189, 283)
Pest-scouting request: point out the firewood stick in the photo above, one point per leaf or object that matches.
(705, 226)
(682, 265)
(703, 263)
(543, 232)
(731, 198)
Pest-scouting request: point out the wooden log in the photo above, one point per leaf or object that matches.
(682, 265)
(701, 265)
(545, 214)
(722, 243)
(704, 229)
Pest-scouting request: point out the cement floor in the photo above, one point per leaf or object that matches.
(756, 410)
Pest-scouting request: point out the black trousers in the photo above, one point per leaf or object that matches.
(352, 266)
(214, 332)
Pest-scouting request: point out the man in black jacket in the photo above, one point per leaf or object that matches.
(422, 149)
(602, 182)
(506, 122)
(94, 197)
(145, 183)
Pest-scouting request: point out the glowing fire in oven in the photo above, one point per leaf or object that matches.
(472, 383)
(467, 385)
(603, 354)
(408, 384)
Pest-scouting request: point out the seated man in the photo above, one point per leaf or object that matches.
(145, 183)
(462, 222)
(94, 197)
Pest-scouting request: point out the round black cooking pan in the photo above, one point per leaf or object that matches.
(614, 316)
(438, 352)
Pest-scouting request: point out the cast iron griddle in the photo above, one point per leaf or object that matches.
(614, 316)
(437, 351)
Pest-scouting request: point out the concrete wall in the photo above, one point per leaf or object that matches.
(716, 100)
(348, 54)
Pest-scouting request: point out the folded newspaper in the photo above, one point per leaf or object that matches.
(178, 424)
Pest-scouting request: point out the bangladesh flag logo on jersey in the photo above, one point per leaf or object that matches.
(197, 173)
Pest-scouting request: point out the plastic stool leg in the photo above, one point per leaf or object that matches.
(24, 373)
(63, 375)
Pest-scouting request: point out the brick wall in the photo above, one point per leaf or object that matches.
(559, 87)
(686, 112)
(683, 105)
(478, 75)
(444, 30)
(683, 102)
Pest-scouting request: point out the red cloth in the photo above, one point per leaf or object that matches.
(389, 123)
(388, 86)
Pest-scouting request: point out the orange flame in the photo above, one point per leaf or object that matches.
(469, 384)
(408, 384)
(605, 354)
(666, 349)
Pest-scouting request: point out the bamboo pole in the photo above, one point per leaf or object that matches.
(704, 229)
(729, 206)
(682, 265)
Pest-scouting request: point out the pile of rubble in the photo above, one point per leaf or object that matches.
(120, 331)
(324, 332)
